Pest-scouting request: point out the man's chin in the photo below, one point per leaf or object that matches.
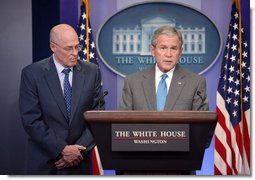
(168, 68)
(72, 64)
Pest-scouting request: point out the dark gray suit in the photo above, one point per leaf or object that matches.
(44, 114)
(187, 91)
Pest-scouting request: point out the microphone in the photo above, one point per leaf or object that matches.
(101, 101)
(200, 95)
(89, 148)
(202, 99)
(105, 93)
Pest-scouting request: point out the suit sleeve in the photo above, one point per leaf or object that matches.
(200, 102)
(126, 102)
(86, 138)
(32, 117)
(98, 99)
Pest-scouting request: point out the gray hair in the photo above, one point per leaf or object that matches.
(165, 30)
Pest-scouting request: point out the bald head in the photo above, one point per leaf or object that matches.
(62, 33)
(64, 43)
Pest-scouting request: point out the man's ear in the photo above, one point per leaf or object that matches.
(52, 47)
(152, 49)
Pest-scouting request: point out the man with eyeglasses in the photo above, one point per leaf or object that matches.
(54, 94)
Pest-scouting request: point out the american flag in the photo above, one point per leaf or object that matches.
(87, 52)
(232, 134)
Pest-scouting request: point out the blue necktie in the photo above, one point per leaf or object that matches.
(67, 92)
(161, 93)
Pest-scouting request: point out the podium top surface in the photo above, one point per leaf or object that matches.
(150, 117)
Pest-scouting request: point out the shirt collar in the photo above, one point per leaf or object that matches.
(59, 66)
(159, 73)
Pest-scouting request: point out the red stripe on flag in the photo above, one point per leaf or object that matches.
(216, 171)
(95, 163)
(220, 146)
(246, 140)
(239, 140)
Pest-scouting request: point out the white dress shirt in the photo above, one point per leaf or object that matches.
(61, 75)
(158, 77)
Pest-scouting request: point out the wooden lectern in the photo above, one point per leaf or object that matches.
(151, 158)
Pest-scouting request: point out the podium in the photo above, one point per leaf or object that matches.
(127, 141)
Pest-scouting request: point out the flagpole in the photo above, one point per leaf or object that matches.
(87, 6)
(238, 6)
(241, 72)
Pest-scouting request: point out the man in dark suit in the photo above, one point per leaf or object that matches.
(185, 90)
(52, 104)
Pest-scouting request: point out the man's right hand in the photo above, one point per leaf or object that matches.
(71, 156)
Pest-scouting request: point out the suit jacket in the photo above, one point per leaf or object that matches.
(44, 114)
(187, 91)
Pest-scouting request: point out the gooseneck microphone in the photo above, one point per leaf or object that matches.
(84, 152)
(200, 95)
(203, 99)
(104, 94)
(101, 101)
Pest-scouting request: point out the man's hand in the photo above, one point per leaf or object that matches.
(61, 164)
(71, 156)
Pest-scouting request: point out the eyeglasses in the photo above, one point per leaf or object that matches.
(68, 49)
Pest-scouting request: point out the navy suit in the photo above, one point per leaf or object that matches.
(44, 114)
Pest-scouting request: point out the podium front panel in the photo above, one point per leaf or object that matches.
(199, 133)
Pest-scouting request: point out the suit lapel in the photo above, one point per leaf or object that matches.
(175, 89)
(52, 79)
(78, 81)
(148, 85)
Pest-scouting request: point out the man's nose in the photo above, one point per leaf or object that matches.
(169, 52)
